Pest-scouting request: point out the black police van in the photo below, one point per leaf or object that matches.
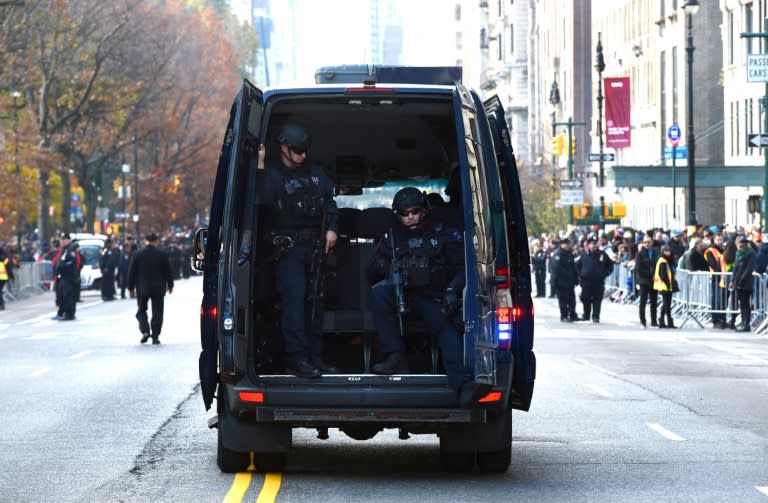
(372, 137)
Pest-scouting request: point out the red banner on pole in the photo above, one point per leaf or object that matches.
(618, 131)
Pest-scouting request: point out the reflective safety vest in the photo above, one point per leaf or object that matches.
(658, 282)
(724, 267)
(716, 256)
(4, 269)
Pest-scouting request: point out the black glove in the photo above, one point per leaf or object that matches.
(450, 301)
(244, 255)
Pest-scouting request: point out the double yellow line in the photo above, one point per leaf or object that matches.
(242, 482)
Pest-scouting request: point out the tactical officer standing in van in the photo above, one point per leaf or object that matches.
(429, 255)
(301, 219)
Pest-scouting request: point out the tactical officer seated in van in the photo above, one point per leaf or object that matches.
(418, 268)
(301, 226)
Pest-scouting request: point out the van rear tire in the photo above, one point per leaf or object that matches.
(457, 462)
(495, 461)
(230, 461)
(270, 461)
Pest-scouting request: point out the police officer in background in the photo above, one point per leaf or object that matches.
(564, 279)
(66, 267)
(109, 259)
(430, 254)
(301, 216)
(593, 266)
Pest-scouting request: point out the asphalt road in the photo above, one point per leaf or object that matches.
(619, 414)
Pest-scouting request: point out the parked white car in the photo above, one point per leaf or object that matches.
(90, 250)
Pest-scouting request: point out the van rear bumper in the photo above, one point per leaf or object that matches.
(343, 398)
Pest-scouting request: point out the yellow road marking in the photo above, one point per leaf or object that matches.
(270, 489)
(239, 488)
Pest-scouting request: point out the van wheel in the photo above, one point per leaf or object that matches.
(269, 461)
(495, 461)
(230, 461)
(457, 462)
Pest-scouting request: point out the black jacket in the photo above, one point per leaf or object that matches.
(150, 272)
(645, 266)
(594, 265)
(742, 273)
(431, 257)
(563, 268)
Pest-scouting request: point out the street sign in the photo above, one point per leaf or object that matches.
(681, 152)
(585, 174)
(120, 215)
(758, 140)
(569, 197)
(596, 157)
(571, 184)
(673, 135)
(757, 67)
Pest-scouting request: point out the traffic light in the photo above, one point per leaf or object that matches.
(614, 210)
(557, 145)
(582, 211)
(572, 144)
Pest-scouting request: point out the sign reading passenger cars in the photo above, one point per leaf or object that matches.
(757, 67)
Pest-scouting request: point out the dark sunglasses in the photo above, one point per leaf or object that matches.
(298, 151)
(405, 213)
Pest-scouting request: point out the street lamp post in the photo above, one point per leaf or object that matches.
(554, 100)
(690, 8)
(15, 95)
(600, 67)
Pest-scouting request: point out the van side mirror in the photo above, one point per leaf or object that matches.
(198, 258)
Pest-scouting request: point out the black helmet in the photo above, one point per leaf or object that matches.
(407, 197)
(294, 137)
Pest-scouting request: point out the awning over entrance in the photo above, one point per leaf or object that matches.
(706, 176)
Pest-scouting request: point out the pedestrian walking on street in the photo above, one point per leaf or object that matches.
(665, 283)
(149, 276)
(743, 282)
(593, 266)
(565, 277)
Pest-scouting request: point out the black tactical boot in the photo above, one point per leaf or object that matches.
(394, 363)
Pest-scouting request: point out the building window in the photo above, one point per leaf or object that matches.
(501, 8)
(732, 133)
(675, 85)
(748, 25)
(729, 38)
(457, 12)
(751, 122)
(512, 40)
(500, 46)
(737, 128)
(459, 41)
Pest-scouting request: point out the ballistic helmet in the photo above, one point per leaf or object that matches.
(294, 137)
(408, 197)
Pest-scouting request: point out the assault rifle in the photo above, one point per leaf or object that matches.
(398, 281)
(317, 270)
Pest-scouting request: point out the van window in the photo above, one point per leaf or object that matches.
(376, 197)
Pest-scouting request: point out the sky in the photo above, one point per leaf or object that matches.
(334, 32)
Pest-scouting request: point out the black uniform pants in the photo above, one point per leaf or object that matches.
(541, 281)
(154, 326)
(566, 298)
(647, 293)
(745, 306)
(430, 312)
(292, 276)
(592, 297)
(67, 296)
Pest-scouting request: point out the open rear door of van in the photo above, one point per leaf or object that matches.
(519, 258)
(217, 281)
(480, 343)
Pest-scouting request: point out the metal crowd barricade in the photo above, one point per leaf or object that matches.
(619, 285)
(29, 278)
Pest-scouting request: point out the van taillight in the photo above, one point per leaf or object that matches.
(252, 396)
(212, 311)
(504, 318)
